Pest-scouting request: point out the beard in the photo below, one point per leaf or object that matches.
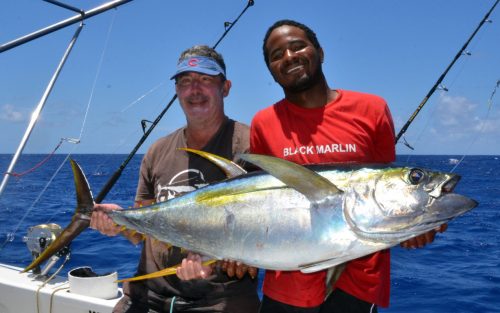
(304, 82)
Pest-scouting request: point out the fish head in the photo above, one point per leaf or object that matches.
(400, 203)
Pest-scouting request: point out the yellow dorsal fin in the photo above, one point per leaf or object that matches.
(229, 168)
(309, 183)
(165, 272)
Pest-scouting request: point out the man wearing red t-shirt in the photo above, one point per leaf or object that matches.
(316, 124)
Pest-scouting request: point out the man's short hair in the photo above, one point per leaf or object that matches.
(311, 35)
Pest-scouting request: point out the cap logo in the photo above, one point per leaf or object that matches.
(193, 62)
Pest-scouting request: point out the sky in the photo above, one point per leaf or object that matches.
(118, 72)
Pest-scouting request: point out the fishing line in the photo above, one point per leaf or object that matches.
(441, 78)
(142, 97)
(10, 236)
(15, 174)
(134, 131)
(82, 128)
(96, 77)
(443, 90)
(482, 128)
(422, 130)
(99, 67)
(114, 178)
(39, 164)
(467, 54)
(117, 174)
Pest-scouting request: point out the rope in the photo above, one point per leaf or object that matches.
(172, 304)
(37, 293)
(52, 296)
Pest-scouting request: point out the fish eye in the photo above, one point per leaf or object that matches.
(415, 176)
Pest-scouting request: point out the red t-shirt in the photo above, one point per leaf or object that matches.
(355, 127)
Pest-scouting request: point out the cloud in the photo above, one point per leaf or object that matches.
(457, 117)
(9, 113)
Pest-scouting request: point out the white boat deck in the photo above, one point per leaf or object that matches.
(20, 293)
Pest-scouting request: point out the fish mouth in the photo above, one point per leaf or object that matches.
(445, 187)
(459, 205)
(443, 196)
(450, 184)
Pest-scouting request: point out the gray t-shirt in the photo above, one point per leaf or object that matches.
(165, 173)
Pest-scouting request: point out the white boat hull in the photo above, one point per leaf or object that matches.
(20, 293)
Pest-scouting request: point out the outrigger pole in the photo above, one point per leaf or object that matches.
(38, 109)
(438, 82)
(113, 179)
(78, 224)
(36, 113)
(83, 15)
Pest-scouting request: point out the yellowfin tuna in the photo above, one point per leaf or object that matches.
(293, 217)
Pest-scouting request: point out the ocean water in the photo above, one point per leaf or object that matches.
(459, 272)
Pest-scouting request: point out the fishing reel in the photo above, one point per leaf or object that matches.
(38, 239)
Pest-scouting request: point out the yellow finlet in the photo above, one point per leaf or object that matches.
(165, 272)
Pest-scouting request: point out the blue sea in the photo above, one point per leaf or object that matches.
(459, 272)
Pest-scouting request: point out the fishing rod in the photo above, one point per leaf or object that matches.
(438, 82)
(82, 15)
(78, 224)
(114, 178)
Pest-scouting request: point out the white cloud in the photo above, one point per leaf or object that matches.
(458, 117)
(9, 113)
(492, 125)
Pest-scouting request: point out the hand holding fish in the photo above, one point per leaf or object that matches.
(239, 269)
(423, 239)
(192, 268)
(101, 221)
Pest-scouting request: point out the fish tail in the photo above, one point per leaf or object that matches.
(79, 222)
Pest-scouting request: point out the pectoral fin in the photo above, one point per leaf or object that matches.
(318, 266)
(165, 272)
(312, 185)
